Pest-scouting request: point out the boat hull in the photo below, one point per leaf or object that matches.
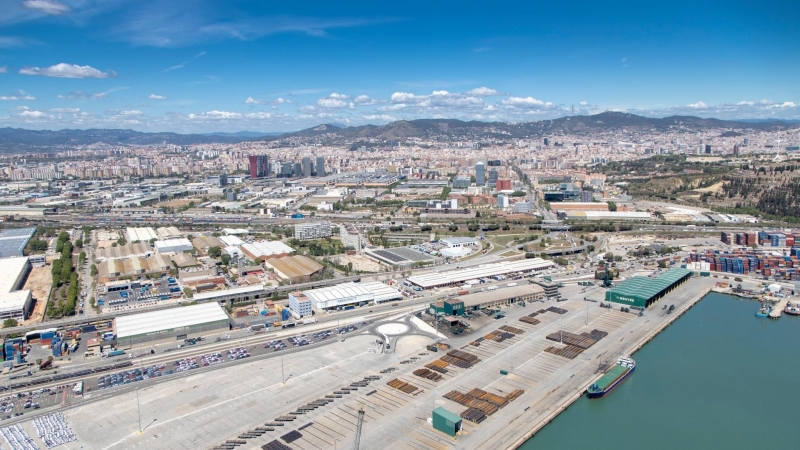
(606, 391)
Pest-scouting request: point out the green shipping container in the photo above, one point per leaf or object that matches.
(446, 422)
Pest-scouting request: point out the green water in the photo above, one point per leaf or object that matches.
(717, 378)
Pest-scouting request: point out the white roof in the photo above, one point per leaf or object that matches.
(235, 291)
(458, 240)
(183, 242)
(429, 280)
(10, 268)
(152, 322)
(382, 292)
(141, 234)
(230, 231)
(231, 241)
(343, 290)
(267, 248)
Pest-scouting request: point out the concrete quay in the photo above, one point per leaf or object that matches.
(205, 409)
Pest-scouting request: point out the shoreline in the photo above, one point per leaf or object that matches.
(633, 349)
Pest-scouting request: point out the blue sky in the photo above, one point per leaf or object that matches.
(202, 65)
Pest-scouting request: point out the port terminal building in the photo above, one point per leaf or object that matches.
(172, 323)
(643, 291)
(460, 276)
(457, 306)
(348, 294)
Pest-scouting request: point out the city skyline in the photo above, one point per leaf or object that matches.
(201, 67)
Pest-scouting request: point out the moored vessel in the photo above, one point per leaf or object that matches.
(792, 309)
(612, 378)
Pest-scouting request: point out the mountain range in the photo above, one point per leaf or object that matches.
(14, 140)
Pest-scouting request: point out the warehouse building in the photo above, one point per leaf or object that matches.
(457, 242)
(173, 245)
(165, 233)
(490, 299)
(143, 234)
(643, 291)
(134, 267)
(231, 241)
(266, 250)
(231, 296)
(347, 294)
(170, 324)
(14, 240)
(605, 215)
(295, 269)
(459, 276)
(203, 243)
(14, 303)
(141, 249)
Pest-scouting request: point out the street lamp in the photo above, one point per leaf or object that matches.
(138, 410)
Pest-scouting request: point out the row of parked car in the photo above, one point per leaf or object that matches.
(132, 376)
(237, 353)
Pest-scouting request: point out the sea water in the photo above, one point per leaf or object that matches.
(717, 378)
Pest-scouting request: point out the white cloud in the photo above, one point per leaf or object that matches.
(81, 95)
(51, 7)
(19, 95)
(3, 69)
(333, 101)
(698, 105)
(133, 112)
(175, 67)
(405, 97)
(156, 97)
(482, 92)
(280, 100)
(523, 101)
(379, 117)
(252, 101)
(782, 105)
(66, 110)
(64, 70)
(17, 42)
(34, 114)
(481, 49)
(216, 115)
(259, 115)
(200, 54)
(583, 103)
(364, 100)
(746, 103)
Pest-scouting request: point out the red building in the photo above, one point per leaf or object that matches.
(259, 166)
(503, 185)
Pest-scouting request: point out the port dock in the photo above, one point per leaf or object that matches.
(777, 310)
(508, 378)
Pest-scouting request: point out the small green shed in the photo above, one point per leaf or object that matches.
(446, 422)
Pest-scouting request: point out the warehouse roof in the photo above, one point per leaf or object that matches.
(122, 251)
(294, 266)
(382, 292)
(143, 234)
(204, 242)
(500, 294)
(14, 240)
(267, 248)
(646, 288)
(10, 298)
(231, 241)
(434, 279)
(167, 319)
(169, 232)
(344, 290)
(182, 242)
(458, 240)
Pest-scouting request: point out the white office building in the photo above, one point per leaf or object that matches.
(173, 246)
(312, 230)
(300, 304)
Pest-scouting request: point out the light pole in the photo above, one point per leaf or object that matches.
(138, 411)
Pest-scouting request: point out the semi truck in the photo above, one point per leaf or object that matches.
(114, 353)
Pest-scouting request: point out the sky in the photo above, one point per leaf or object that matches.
(199, 66)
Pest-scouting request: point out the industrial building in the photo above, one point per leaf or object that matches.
(231, 241)
(134, 267)
(312, 230)
(144, 234)
(14, 240)
(203, 243)
(170, 323)
(266, 250)
(459, 276)
(172, 245)
(346, 294)
(643, 292)
(605, 215)
(14, 303)
(165, 233)
(140, 249)
(456, 242)
(489, 299)
(231, 296)
(295, 269)
(300, 304)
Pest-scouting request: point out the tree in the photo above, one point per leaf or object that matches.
(425, 228)
(10, 323)
(188, 292)
(79, 243)
(609, 256)
(529, 255)
(453, 228)
(226, 259)
(214, 252)
(259, 261)
(612, 206)
(93, 270)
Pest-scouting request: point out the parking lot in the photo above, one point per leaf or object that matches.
(141, 293)
(18, 403)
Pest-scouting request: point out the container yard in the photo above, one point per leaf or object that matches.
(489, 386)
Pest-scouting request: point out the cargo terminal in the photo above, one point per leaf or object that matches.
(490, 299)
(643, 292)
(460, 276)
(346, 295)
(170, 323)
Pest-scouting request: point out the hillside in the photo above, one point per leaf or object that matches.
(443, 129)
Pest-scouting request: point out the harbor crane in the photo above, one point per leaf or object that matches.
(359, 426)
